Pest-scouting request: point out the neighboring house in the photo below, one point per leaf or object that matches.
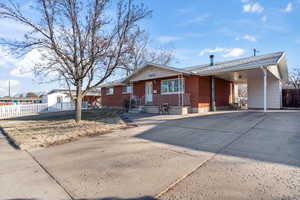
(58, 96)
(204, 87)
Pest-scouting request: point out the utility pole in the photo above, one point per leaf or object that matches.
(255, 51)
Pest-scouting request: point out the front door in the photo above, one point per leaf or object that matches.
(148, 92)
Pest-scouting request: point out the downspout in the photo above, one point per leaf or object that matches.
(178, 93)
(213, 86)
(213, 94)
(183, 90)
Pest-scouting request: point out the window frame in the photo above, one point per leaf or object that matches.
(108, 89)
(173, 79)
(127, 92)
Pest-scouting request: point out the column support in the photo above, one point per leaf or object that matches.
(265, 89)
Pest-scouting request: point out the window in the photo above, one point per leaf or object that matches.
(109, 91)
(59, 99)
(127, 89)
(171, 86)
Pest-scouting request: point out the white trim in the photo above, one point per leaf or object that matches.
(113, 91)
(171, 79)
(281, 57)
(126, 91)
(178, 70)
(265, 88)
(147, 95)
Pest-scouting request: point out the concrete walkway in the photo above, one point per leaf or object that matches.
(22, 178)
(239, 155)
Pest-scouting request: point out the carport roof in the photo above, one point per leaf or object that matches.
(238, 64)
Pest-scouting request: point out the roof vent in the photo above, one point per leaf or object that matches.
(211, 60)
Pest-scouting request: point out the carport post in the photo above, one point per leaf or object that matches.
(265, 89)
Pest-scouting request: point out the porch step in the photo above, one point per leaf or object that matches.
(136, 110)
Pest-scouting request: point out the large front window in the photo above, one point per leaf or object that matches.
(172, 86)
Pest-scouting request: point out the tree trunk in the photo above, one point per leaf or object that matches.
(78, 103)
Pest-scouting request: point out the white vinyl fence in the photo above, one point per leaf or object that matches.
(27, 109)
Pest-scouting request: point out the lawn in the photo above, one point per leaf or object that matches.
(56, 128)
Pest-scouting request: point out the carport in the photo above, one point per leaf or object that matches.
(262, 74)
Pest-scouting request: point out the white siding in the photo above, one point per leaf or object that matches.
(153, 73)
(256, 91)
(51, 99)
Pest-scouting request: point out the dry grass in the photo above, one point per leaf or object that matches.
(57, 128)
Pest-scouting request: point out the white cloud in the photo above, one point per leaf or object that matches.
(4, 84)
(168, 39)
(250, 38)
(215, 50)
(6, 60)
(253, 8)
(235, 52)
(264, 18)
(183, 11)
(289, 8)
(25, 66)
(198, 19)
(225, 52)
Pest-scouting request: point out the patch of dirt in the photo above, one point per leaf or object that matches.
(58, 128)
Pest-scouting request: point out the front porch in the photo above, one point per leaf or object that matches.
(177, 103)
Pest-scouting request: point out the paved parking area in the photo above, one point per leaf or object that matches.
(238, 155)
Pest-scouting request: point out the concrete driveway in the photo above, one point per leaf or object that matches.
(238, 155)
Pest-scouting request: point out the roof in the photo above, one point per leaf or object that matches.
(183, 71)
(227, 66)
(238, 64)
(114, 82)
(73, 92)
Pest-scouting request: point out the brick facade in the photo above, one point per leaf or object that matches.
(114, 100)
(223, 92)
(199, 88)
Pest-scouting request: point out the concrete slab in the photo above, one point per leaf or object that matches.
(262, 164)
(122, 167)
(237, 155)
(236, 122)
(22, 178)
(271, 146)
(234, 178)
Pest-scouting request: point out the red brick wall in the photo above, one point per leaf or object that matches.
(198, 87)
(114, 100)
(222, 92)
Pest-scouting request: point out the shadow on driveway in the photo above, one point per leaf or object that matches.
(270, 137)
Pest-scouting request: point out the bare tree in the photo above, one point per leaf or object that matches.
(81, 43)
(142, 53)
(294, 78)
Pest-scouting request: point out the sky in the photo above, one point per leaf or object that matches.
(193, 29)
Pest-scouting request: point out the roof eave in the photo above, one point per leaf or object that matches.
(282, 67)
(158, 66)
